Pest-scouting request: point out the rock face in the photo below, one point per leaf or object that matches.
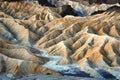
(82, 7)
(18, 34)
(67, 10)
(93, 42)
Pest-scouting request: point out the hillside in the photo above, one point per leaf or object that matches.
(31, 34)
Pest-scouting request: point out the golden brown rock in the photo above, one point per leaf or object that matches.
(95, 38)
(22, 67)
(21, 24)
(92, 41)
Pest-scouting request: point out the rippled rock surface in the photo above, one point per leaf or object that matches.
(76, 46)
(91, 41)
(17, 37)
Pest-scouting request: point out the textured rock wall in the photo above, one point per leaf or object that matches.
(21, 24)
(91, 41)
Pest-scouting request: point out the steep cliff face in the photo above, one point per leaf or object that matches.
(92, 42)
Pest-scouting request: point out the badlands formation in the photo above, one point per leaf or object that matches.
(92, 41)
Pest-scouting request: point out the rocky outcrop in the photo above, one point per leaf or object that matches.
(21, 60)
(83, 8)
(26, 10)
(22, 67)
(92, 41)
(34, 14)
(18, 34)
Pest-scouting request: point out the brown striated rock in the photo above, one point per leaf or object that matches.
(22, 67)
(27, 13)
(21, 25)
(26, 10)
(93, 42)
(21, 60)
(95, 38)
